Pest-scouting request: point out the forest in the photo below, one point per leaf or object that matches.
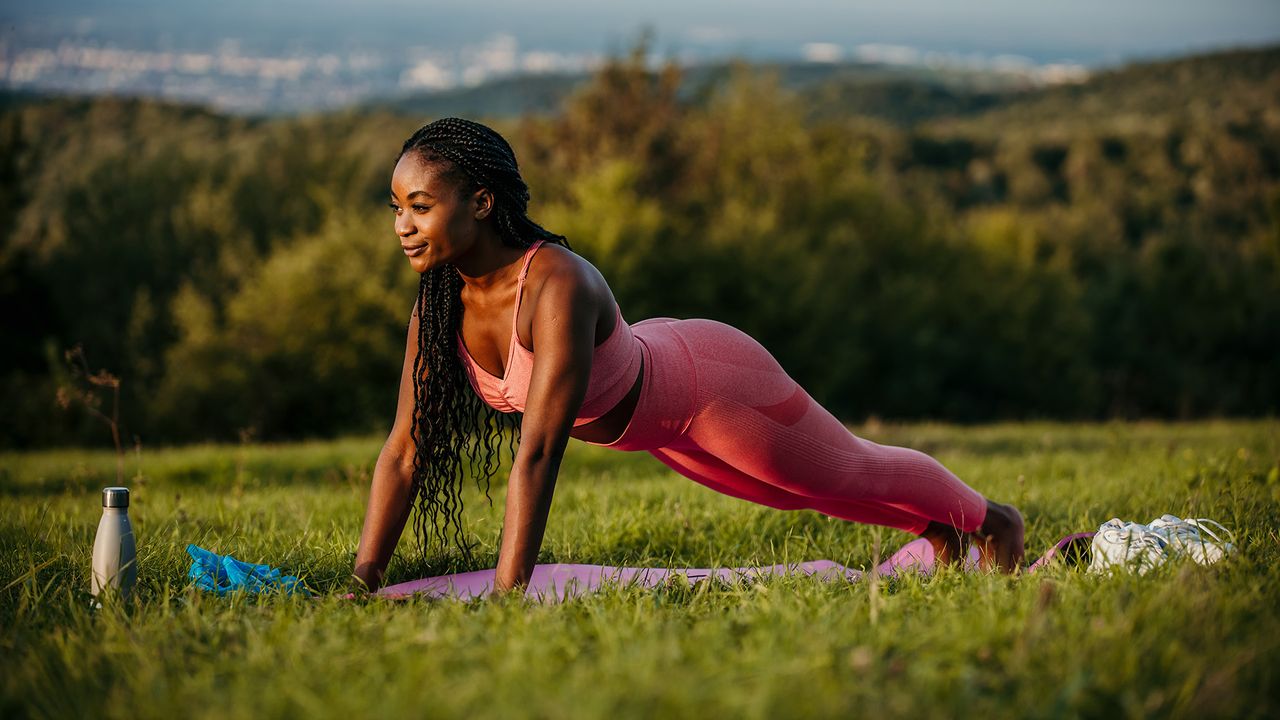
(1107, 249)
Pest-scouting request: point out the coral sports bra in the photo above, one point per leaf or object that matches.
(614, 366)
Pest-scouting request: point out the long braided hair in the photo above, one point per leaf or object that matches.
(450, 422)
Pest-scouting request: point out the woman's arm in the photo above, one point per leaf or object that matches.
(391, 492)
(564, 324)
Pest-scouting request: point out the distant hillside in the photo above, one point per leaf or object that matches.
(907, 96)
(986, 249)
(502, 98)
(898, 94)
(1195, 88)
(12, 99)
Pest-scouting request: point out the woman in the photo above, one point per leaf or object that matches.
(505, 307)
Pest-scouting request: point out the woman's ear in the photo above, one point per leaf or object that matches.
(482, 201)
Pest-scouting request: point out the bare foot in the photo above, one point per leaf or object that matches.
(999, 540)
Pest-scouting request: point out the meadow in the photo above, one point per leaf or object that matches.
(1183, 640)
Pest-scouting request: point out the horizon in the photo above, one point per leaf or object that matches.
(303, 56)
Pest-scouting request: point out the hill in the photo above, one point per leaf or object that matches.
(944, 247)
(901, 94)
(1239, 80)
(1215, 88)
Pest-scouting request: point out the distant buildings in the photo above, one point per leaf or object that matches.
(231, 80)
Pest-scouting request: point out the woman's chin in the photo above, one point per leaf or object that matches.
(421, 264)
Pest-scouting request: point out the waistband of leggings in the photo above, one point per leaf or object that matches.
(668, 392)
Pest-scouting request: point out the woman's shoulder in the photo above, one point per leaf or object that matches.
(558, 267)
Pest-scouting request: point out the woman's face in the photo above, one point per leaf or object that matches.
(435, 222)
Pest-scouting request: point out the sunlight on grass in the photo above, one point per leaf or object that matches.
(1182, 640)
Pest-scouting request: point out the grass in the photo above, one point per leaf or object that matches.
(1182, 641)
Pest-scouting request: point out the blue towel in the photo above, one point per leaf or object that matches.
(222, 574)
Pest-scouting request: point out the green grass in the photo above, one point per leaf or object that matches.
(1183, 641)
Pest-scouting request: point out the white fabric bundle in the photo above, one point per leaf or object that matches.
(1137, 547)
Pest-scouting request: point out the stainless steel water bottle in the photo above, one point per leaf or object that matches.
(115, 565)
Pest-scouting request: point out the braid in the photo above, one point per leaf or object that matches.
(450, 423)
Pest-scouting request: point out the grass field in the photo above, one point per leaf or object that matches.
(1182, 641)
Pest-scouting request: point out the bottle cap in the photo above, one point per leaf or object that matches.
(115, 497)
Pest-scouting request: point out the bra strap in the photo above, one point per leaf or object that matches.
(524, 273)
(528, 258)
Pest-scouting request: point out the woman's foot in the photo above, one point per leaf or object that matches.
(999, 540)
(950, 545)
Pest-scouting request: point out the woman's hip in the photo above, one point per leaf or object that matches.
(688, 364)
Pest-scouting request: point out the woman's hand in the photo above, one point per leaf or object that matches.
(390, 500)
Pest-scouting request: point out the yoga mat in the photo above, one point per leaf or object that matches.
(559, 582)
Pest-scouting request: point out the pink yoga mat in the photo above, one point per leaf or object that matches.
(558, 582)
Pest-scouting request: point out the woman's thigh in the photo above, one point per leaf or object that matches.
(757, 420)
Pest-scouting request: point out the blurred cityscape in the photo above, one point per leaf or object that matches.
(230, 78)
(288, 56)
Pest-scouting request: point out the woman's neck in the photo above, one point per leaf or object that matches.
(490, 264)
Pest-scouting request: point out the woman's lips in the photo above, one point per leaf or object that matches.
(414, 251)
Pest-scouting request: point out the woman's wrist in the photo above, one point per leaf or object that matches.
(367, 576)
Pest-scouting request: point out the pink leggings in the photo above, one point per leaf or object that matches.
(717, 408)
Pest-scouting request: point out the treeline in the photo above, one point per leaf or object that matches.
(1046, 258)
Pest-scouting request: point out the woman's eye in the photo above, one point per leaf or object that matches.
(394, 208)
(421, 208)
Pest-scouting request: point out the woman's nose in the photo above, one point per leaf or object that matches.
(404, 227)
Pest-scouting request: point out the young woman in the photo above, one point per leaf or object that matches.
(507, 312)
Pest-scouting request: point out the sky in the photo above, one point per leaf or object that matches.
(1091, 32)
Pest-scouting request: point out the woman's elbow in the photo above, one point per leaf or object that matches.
(396, 461)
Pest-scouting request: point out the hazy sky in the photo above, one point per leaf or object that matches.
(1088, 31)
